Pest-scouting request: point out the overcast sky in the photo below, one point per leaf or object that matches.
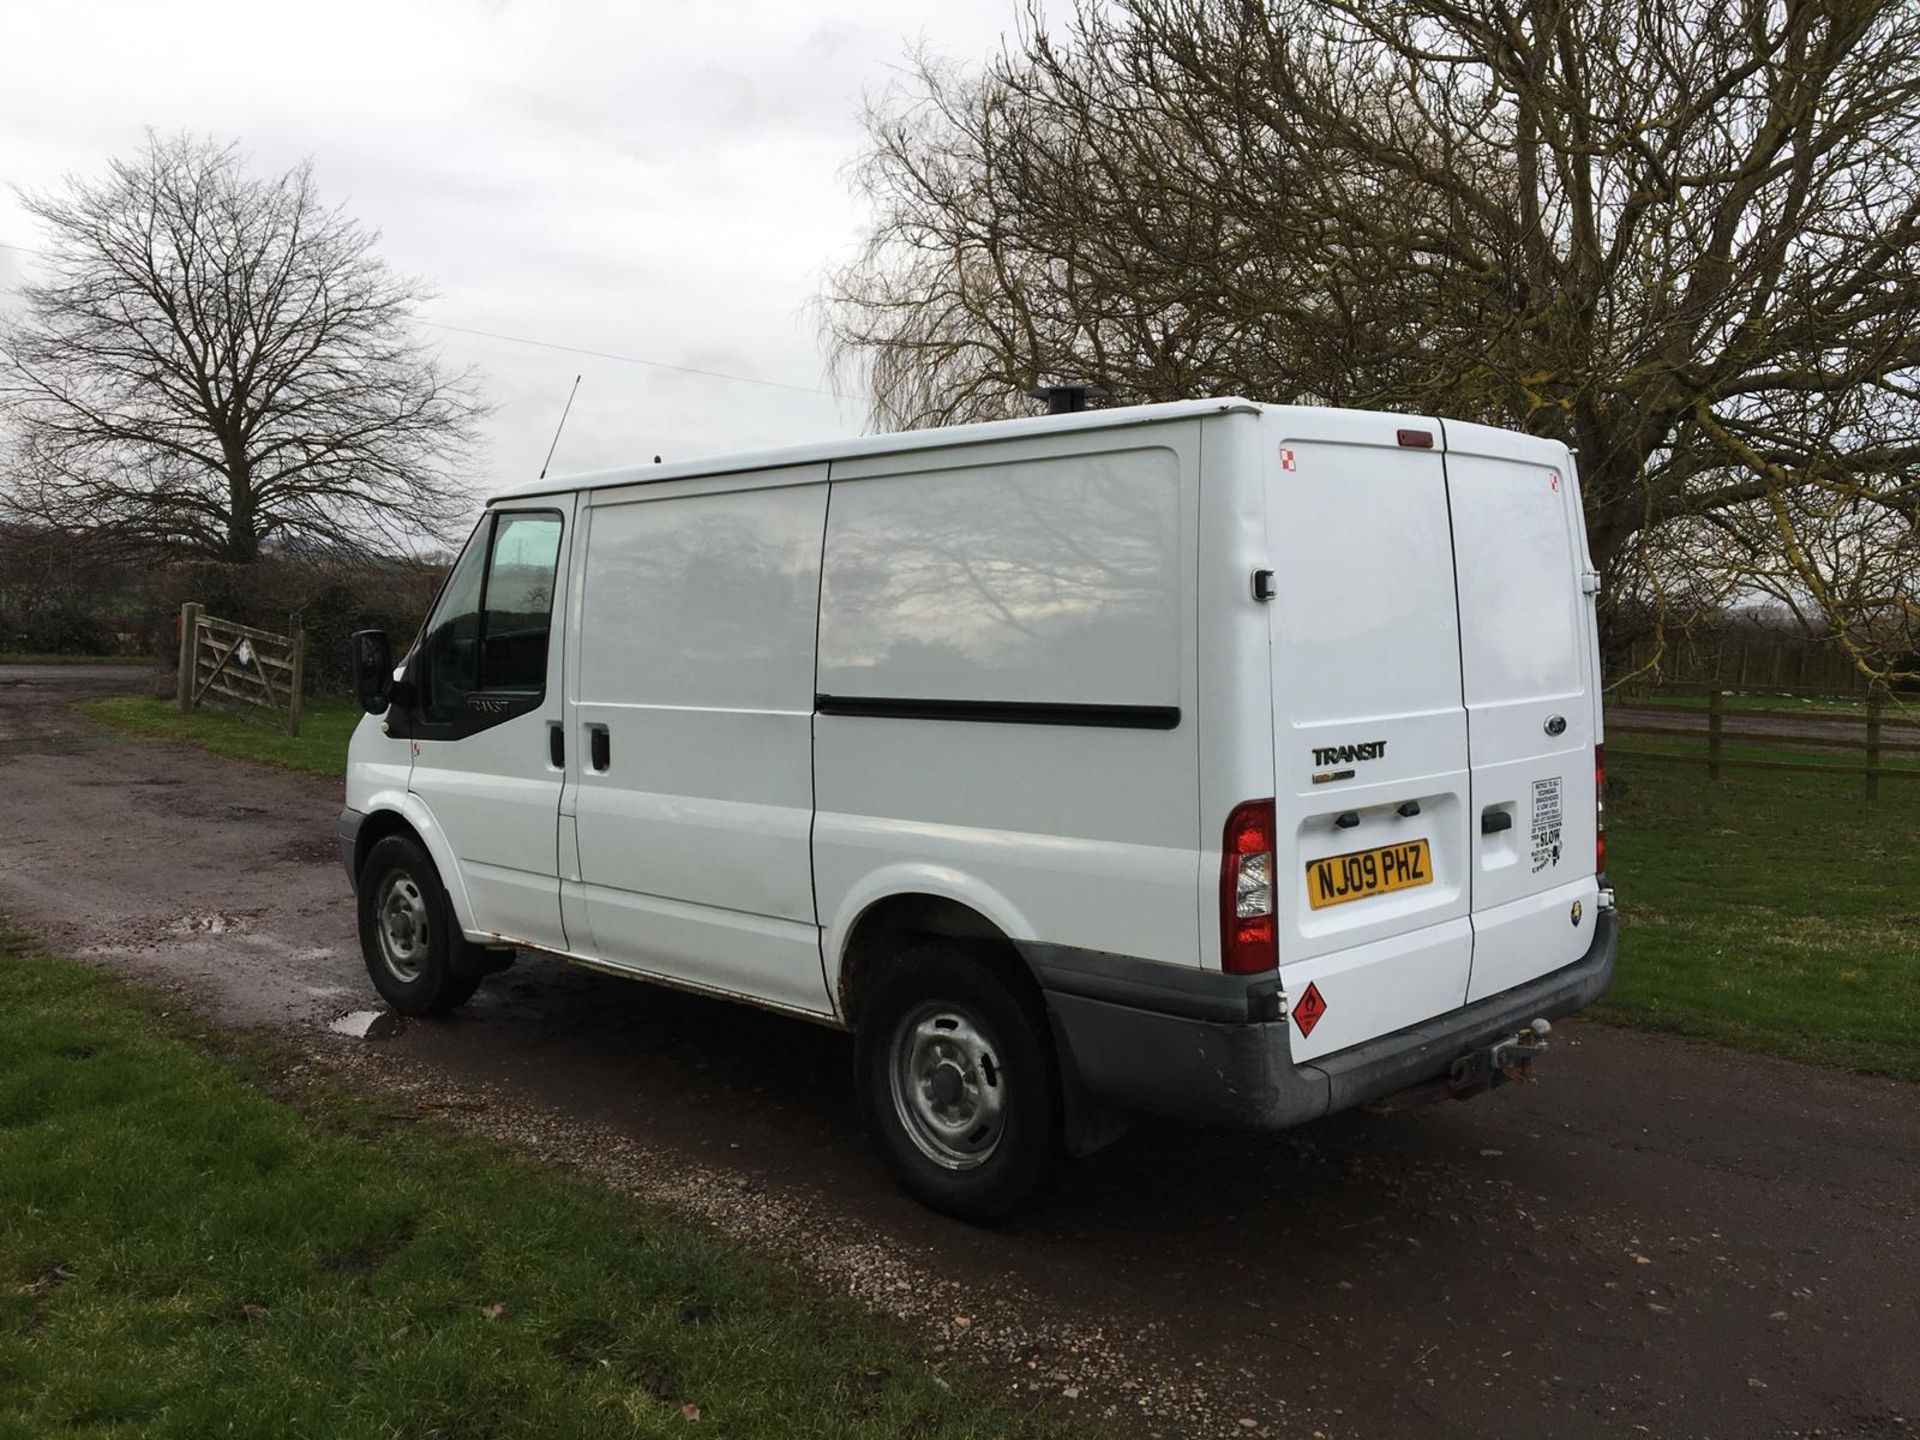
(663, 181)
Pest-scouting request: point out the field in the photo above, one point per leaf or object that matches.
(182, 1256)
(1772, 912)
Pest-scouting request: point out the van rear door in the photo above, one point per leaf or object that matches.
(1370, 740)
(1531, 695)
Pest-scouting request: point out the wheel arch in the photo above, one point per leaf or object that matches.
(408, 816)
(890, 920)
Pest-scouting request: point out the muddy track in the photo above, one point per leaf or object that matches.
(1657, 1239)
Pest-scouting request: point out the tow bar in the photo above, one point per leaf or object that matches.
(1495, 1064)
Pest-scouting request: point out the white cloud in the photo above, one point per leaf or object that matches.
(655, 180)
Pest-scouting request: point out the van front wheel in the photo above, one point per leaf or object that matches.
(407, 931)
(957, 1083)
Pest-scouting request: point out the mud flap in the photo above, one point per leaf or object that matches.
(1086, 1125)
(474, 962)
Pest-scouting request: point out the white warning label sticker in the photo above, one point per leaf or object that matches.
(1546, 823)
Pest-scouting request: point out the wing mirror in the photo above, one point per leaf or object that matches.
(372, 670)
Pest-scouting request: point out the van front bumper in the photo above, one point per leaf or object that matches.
(1198, 1049)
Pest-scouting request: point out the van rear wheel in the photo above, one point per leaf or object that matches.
(957, 1082)
(408, 935)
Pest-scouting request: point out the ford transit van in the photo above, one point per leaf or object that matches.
(1225, 761)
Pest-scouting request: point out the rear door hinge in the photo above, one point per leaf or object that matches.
(1589, 582)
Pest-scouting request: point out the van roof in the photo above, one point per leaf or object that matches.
(885, 444)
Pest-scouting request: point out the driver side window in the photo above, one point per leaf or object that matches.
(490, 630)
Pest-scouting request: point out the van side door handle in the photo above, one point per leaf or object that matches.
(600, 747)
(1492, 822)
(557, 745)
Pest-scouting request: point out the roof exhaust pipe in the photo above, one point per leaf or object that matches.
(1067, 399)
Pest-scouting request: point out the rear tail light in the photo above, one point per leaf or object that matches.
(1599, 809)
(1247, 934)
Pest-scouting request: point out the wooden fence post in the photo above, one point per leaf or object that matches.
(298, 681)
(1873, 746)
(1713, 734)
(189, 655)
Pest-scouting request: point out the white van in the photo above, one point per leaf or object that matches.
(1216, 760)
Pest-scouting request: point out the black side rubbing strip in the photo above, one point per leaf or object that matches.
(1003, 712)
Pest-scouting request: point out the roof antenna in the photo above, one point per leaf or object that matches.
(561, 426)
(1067, 399)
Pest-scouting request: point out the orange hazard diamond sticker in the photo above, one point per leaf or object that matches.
(1308, 1009)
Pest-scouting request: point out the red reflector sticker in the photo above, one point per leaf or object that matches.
(1308, 1009)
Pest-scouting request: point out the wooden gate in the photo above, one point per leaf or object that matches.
(252, 673)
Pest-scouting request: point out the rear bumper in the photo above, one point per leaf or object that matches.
(1239, 1072)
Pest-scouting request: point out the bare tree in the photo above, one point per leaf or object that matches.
(218, 361)
(1682, 235)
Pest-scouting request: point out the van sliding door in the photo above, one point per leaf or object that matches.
(691, 734)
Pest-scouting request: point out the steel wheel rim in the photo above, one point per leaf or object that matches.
(400, 921)
(949, 1087)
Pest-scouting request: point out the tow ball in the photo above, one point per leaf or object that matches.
(1508, 1059)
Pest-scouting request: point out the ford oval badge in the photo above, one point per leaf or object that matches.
(1556, 725)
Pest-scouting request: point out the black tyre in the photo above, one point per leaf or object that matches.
(957, 1081)
(408, 933)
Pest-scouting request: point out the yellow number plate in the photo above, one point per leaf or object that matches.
(1340, 878)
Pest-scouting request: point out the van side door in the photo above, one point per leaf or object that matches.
(692, 733)
(485, 713)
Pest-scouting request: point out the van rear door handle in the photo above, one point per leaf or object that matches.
(1492, 822)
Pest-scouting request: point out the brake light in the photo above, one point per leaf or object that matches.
(1599, 809)
(1247, 935)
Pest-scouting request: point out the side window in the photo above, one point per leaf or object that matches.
(1036, 581)
(519, 601)
(489, 631)
(704, 601)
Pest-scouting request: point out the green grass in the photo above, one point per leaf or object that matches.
(182, 1256)
(31, 657)
(1773, 912)
(320, 749)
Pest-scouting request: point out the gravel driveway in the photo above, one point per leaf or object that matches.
(1656, 1239)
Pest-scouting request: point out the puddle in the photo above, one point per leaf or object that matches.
(367, 1024)
(219, 922)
